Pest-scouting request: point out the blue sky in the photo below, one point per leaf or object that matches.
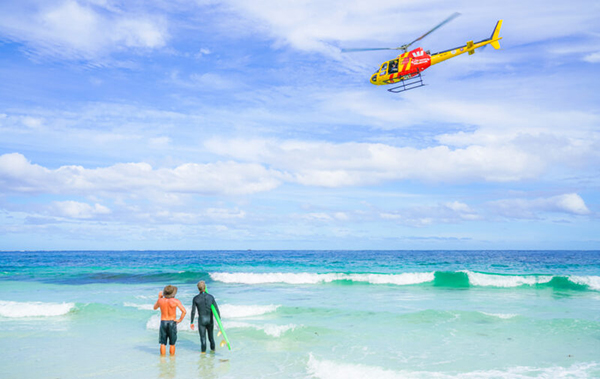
(240, 125)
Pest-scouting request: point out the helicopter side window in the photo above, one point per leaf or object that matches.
(383, 69)
(394, 66)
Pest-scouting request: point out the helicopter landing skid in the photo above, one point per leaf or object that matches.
(407, 84)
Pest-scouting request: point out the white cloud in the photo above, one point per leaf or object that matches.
(570, 203)
(80, 29)
(592, 58)
(226, 178)
(347, 164)
(203, 52)
(204, 81)
(74, 209)
(421, 216)
(313, 25)
(324, 216)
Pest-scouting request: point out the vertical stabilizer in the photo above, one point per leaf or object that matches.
(495, 35)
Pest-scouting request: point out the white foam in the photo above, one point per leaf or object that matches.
(591, 281)
(398, 279)
(333, 370)
(312, 278)
(154, 323)
(144, 307)
(501, 315)
(145, 297)
(269, 329)
(228, 311)
(491, 280)
(240, 311)
(16, 309)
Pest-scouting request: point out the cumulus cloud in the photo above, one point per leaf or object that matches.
(350, 164)
(570, 203)
(17, 174)
(88, 30)
(78, 210)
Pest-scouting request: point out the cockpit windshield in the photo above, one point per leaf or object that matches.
(383, 70)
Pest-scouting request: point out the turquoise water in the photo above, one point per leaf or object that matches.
(306, 314)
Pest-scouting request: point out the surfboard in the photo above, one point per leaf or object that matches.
(220, 325)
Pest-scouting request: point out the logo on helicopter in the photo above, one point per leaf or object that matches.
(418, 53)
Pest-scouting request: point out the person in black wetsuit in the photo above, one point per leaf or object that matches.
(202, 303)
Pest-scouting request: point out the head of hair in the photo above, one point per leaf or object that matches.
(201, 286)
(169, 291)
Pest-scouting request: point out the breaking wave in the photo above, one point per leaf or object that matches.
(241, 311)
(312, 278)
(455, 279)
(272, 330)
(326, 369)
(14, 309)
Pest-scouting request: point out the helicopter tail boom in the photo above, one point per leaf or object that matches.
(469, 47)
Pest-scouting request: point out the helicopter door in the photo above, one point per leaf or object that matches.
(383, 70)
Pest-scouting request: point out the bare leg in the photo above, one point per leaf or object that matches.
(163, 349)
(172, 349)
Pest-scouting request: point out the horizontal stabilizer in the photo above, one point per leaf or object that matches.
(470, 48)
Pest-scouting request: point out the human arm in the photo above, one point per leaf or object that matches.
(183, 311)
(157, 304)
(193, 313)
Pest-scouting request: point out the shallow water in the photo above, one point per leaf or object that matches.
(302, 314)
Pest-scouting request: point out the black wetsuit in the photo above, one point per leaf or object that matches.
(202, 302)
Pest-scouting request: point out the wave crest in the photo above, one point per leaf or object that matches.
(240, 311)
(490, 280)
(313, 278)
(14, 309)
(452, 279)
(332, 370)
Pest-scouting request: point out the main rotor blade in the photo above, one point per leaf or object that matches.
(452, 17)
(370, 49)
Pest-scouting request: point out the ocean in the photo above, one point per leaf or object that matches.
(305, 314)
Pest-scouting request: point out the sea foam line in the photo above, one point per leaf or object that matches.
(324, 369)
(16, 309)
(491, 280)
(592, 282)
(228, 311)
(474, 278)
(312, 278)
(269, 329)
(240, 311)
(501, 315)
(143, 307)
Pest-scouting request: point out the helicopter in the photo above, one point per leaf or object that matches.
(407, 67)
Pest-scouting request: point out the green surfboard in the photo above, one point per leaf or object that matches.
(214, 311)
(220, 325)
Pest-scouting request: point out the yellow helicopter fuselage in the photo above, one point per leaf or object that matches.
(410, 64)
